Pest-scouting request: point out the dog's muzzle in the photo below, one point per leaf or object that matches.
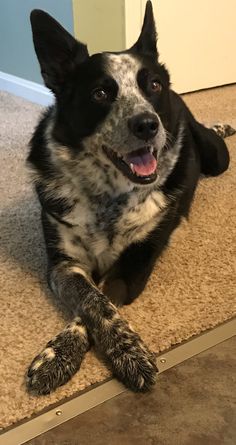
(139, 165)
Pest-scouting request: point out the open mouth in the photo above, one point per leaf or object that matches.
(140, 166)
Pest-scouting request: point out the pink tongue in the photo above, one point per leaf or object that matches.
(144, 164)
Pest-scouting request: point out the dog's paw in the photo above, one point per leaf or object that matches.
(135, 368)
(59, 361)
(131, 361)
(223, 130)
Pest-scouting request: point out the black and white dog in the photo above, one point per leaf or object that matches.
(115, 163)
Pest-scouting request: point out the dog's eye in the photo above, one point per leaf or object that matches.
(99, 95)
(156, 86)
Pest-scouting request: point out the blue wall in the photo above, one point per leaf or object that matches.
(17, 54)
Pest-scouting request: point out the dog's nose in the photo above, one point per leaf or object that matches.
(144, 125)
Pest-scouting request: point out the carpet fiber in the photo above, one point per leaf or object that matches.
(191, 289)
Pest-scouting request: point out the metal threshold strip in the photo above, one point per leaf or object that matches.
(85, 401)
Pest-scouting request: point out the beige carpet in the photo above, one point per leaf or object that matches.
(193, 287)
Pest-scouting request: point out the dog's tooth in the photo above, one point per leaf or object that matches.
(132, 167)
(151, 149)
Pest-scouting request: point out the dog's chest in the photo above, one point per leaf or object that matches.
(107, 227)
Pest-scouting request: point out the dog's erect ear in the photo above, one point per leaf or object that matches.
(57, 51)
(147, 41)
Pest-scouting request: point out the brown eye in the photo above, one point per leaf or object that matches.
(156, 86)
(99, 95)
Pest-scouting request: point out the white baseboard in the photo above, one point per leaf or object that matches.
(34, 92)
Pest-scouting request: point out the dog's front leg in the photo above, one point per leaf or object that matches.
(129, 275)
(130, 360)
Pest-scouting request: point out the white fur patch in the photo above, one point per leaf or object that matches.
(49, 354)
(77, 329)
(37, 364)
(136, 222)
(77, 269)
(124, 69)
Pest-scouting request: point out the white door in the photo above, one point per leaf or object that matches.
(197, 41)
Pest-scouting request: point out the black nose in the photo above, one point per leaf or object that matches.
(144, 125)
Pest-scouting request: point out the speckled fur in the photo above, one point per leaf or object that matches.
(114, 132)
(103, 231)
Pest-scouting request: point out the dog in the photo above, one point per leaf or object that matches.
(115, 163)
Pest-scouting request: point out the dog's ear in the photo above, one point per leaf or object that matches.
(147, 41)
(57, 51)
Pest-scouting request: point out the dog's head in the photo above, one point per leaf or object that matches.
(114, 104)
